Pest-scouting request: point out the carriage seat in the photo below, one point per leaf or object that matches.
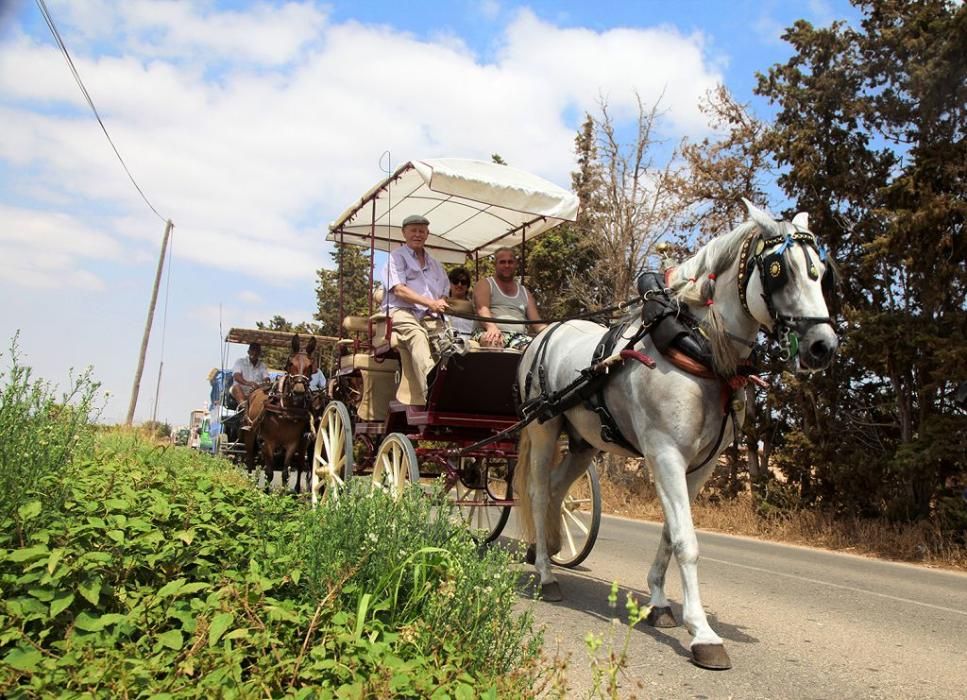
(378, 385)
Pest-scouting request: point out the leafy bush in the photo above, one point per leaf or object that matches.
(163, 572)
(40, 431)
(409, 566)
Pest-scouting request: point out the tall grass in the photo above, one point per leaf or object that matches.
(41, 432)
(409, 566)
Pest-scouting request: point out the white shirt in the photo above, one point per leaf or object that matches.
(428, 279)
(318, 380)
(250, 373)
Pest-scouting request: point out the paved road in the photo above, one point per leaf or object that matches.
(797, 622)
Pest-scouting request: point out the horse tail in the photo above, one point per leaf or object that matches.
(521, 494)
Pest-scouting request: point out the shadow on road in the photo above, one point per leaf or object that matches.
(587, 594)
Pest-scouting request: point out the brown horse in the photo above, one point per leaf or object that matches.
(278, 416)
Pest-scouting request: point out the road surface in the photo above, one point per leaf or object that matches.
(797, 622)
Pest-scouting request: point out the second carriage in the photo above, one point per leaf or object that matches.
(465, 434)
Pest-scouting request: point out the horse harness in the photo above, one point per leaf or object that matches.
(774, 275)
(676, 334)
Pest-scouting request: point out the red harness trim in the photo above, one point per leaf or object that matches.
(729, 386)
(639, 356)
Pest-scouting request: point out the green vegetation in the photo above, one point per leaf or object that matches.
(132, 569)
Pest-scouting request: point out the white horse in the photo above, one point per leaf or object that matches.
(764, 274)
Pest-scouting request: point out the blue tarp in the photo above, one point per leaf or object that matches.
(221, 383)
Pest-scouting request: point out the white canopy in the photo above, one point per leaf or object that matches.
(473, 207)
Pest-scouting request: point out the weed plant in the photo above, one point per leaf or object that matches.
(409, 566)
(40, 434)
(162, 572)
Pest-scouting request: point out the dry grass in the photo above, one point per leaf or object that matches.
(922, 543)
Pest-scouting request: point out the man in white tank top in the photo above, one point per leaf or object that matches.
(504, 297)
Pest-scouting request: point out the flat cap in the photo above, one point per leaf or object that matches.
(416, 219)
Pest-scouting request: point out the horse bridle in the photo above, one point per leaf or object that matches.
(286, 388)
(774, 275)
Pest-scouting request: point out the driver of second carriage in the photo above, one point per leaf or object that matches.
(416, 286)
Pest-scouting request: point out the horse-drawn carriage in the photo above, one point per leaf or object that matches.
(284, 428)
(664, 383)
(465, 433)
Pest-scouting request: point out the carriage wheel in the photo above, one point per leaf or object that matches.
(580, 519)
(475, 507)
(395, 464)
(332, 454)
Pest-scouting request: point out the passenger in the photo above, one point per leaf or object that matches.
(416, 285)
(248, 373)
(459, 288)
(318, 380)
(504, 297)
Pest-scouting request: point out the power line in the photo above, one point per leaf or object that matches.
(77, 77)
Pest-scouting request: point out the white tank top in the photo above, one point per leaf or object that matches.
(503, 306)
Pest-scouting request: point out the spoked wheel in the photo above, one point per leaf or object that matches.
(332, 454)
(580, 519)
(395, 464)
(476, 505)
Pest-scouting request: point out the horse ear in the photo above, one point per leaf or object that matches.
(295, 343)
(801, 221)
(760, 217)
(311, 347)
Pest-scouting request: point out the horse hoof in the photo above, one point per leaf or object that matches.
(530, 556)
(661, 617)
(551, 592)
(711, 656)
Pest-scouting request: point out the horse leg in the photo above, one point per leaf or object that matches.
(660, 614)
(268, 462)
(532, 484)
(290, 449)
(707, 648)
(575, 463)
(249, 441)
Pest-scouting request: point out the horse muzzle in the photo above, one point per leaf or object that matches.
(817, 347)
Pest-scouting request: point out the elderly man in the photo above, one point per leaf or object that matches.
(248, 373)
(504, 297)
(416, 285)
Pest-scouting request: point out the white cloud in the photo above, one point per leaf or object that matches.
(264, 33)
(40, 249)
(249, 298)
(252, 129)
(258, 160)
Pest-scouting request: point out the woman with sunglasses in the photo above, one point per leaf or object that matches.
(459, 293)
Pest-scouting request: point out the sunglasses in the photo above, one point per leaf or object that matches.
(463, 282)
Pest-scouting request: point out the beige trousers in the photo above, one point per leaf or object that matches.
(418, 343)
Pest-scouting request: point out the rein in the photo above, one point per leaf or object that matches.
(609, 311)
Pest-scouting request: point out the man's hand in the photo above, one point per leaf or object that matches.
(438, 306)
(492, 337)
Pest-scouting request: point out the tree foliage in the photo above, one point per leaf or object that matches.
(276, 358)
(870, 140)
(354, 264)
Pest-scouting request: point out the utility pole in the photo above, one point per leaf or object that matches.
(147, 327)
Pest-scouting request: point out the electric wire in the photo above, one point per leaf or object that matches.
(77, 77)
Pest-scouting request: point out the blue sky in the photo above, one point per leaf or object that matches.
(253, 125)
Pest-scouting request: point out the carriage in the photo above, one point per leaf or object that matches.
(665, 383)
(229, 440)
(465, 434)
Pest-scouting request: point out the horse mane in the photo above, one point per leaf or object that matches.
(693, 284)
